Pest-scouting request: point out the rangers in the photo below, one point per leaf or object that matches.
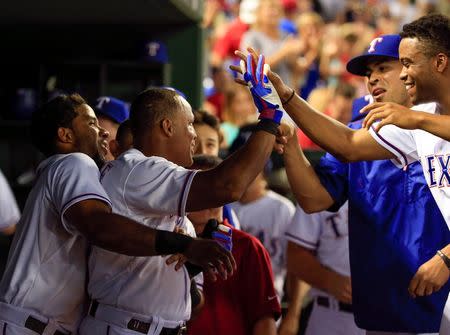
(43, 287)
(148, 183)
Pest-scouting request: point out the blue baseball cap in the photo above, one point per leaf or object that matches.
(382, 46)
(115, 109)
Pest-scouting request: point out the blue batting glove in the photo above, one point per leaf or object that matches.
(223, 235)
(264, 95)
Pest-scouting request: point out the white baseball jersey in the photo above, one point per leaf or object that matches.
(432, 151)
(325, 233)
(47, 263)
(268, 218)
(152, 191)
(9, 212)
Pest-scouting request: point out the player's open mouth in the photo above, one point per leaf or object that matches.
(409, 86)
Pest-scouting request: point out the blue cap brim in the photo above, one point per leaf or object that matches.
(358, 65)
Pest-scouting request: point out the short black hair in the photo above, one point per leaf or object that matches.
(150, 107)
(433, 31)
(203, 117)
(205, 162)
(58, 112)
(123, 131)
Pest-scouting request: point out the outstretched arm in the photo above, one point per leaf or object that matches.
(336, 138)
(94, 220)
(400, 116)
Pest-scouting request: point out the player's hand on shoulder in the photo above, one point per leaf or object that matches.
(429, 278)
(212, 257)
(389, 113)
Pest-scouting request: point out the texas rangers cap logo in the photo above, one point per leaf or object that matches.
(374, 42)
(381, 47)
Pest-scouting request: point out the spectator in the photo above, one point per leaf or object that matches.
(240, 305)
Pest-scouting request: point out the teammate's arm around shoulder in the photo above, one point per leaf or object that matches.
(93, 219)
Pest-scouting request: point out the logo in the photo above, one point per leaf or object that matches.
(437, 169)
(374, 43)
(272, 297)
(101, 101)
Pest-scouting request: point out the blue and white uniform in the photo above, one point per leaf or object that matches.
(433, 153)
(394, 227)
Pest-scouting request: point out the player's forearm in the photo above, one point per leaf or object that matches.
(309, 192)
(265, 326)
(438, 125)
(328, 133)
(297, 291)
(232, 177)
(94, 220)
(311, 270)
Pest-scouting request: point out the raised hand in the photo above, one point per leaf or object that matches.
(264, 95)
(284, 91)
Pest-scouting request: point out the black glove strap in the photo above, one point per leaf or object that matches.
(167, 243)
(268, 126)
(444, 258)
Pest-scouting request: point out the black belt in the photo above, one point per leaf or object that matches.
(142, 326)
(325, 302)
(38, 326)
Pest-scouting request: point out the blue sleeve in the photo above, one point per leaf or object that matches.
(333, 175)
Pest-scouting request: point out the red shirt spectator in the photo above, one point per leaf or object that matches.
(225, 46)
(234, 305)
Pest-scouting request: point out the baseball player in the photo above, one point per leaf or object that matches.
(149, 184)
(9, 212)
(43, 288)
(111, 112)
(359, 145)
(321, 259)
(267, 215)
(240, 305)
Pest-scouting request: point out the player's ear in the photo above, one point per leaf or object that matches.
(441, 62)
(167, 127)
(65, 135)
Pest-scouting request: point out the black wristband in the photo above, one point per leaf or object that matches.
(268, 126)
(167, 242)
(289, 99)
(444, 258)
